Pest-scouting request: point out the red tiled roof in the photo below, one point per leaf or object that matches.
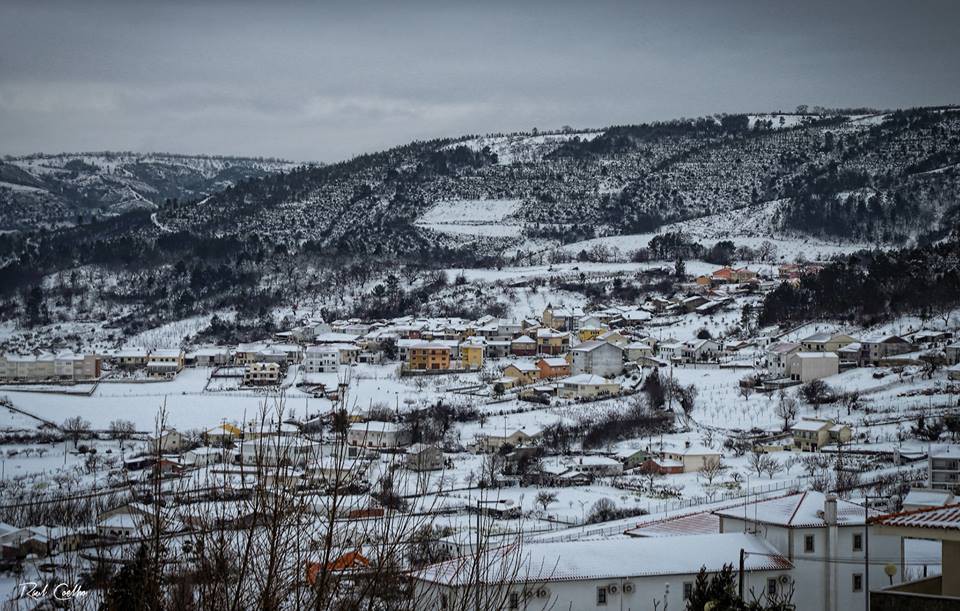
(947, 517)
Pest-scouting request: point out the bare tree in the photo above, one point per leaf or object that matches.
(545, 498)
(786, 410)
(712, 468)
(772, 466)
(75, 427)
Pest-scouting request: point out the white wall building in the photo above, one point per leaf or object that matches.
(377, 434)
(824, 539)
(321, 359)
(597, 357)
(806, 366)
(597, 574)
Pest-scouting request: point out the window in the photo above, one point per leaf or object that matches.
(857, 582)
(771, 587)
(808, 544)
(687, 590)
(601, 596)
(857, 542)
(514, 600)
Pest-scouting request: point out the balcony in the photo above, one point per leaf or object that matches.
(921, 595)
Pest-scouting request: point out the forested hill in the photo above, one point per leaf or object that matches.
(69, 189)
(215, 226)
(883, 177)
(873, 286)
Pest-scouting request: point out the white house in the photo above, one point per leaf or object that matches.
(324, 358)
(825, 540)
(597, 357)
(596, 574)
(806, 366)
(587, 386)
(776, 357)
(377, 434)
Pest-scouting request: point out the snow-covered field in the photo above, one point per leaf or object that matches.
(479, 217)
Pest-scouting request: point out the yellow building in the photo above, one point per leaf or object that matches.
(472, 355)
(428, 356)
(588, 333)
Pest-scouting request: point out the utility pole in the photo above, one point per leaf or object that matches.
(743, 555)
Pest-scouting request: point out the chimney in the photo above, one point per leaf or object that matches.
(687, 444)
(830, 509)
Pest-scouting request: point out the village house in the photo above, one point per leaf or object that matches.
(952, 352)
(521, 373)
(165, 362)
(132, 358)
(614, 337)
(564, 319)
(471, 354)
(204, 456)
(170, 442)
(491, 442)
(624, 573)
(597, 357)
(222, 434)
(61, 367)
(943, 470)
(631, 318)
(524, 345)
(825, 342)
(211, 357)
(777, 356)
(324, 358)
(377, 434)
(249, 352)
(587, 386)
(552, 342)
(636, 350)
(271, 450)
(261, 374)
(692, 457)
(553, 367)
(428, 356)
(806, 366)
(875, 348)
(699, 350)
(810, 435)
(423, 457)
(597, 466)
(825, 540)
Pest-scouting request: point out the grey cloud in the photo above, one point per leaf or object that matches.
(312, 80)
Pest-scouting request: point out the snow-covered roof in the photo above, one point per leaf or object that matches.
(703, 523)
(522, 366)
(524, 339)
(617, 558)
(783, 347)
(595, 460)
(586, 379)
(944, 518)
(375, 426)
(811, 425)
(813, 356)
(930, 497)
(555, 361)
(800, 510)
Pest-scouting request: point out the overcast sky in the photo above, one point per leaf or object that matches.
(323, 81)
